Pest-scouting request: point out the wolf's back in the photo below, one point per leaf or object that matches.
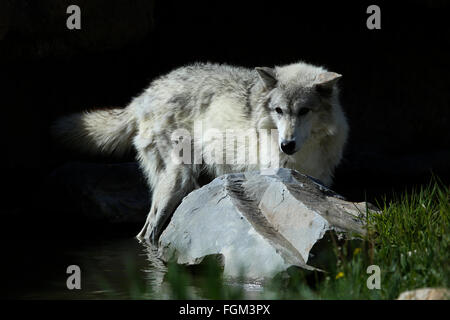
(101, 131)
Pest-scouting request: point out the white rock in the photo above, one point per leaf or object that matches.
(425, 294)
(260, 223)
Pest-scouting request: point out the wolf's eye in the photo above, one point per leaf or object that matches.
(303, 111)
(279, 111)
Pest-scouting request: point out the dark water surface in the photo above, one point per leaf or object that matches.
(118, 268)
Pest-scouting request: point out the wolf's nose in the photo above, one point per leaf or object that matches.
(288, 147)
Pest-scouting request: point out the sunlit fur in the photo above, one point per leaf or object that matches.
(220, 97)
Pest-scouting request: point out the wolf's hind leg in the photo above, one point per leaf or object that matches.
(175, 182)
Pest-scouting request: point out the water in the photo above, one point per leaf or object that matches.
(120, 268)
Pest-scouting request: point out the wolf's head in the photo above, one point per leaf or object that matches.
(300, 100)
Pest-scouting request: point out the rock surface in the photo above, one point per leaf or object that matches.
(426, 294)
(261, 223)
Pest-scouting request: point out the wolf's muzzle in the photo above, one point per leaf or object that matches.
(288, 146)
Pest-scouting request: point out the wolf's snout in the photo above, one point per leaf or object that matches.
(288, 146)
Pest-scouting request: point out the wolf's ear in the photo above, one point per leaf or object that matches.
(325, 82)
(267, 76)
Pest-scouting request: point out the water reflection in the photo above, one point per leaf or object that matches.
(155, 271)
(115, 269)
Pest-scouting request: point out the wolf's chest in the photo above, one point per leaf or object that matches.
(309, 160)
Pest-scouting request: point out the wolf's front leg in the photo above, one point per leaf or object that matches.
(172, 184)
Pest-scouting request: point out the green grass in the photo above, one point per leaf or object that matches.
(410, 240)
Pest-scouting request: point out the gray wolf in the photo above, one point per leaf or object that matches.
(300, 101)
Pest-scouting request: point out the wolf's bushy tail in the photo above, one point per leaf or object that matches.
(101, 131)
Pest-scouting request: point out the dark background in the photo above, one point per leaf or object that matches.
(395, 92)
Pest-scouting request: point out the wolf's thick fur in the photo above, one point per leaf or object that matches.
(109, 131)
(299, 100)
